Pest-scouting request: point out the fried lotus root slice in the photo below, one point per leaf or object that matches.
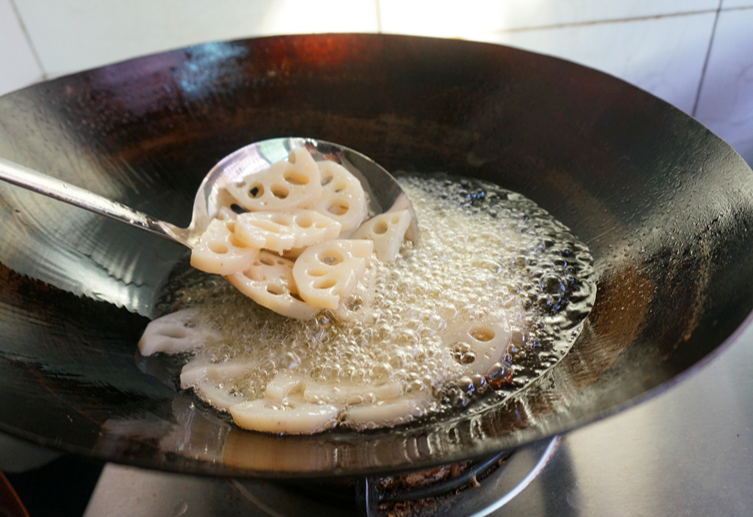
(281, 231)
(288, 384)
(269, 282)
(226, 214)
(220, 252)
(387, 231)
(221, 397)
(201, 370)
(210, 380)
(342, 198)
(357, 306)
(292, 183)
(283, 385)
(329, 271)
(349, 394)
(289, 418)
(388, 413)
(177, 332)
(479, 346)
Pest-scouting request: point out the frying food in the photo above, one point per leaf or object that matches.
(370, 331)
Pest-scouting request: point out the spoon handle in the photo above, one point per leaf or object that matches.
(52, 187)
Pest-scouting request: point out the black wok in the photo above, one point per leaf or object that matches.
(664, 205)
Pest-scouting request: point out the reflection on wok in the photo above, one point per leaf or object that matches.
(664, 205)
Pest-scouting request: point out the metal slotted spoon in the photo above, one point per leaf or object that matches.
(384, 193)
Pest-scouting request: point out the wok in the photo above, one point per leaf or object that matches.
(664, 205)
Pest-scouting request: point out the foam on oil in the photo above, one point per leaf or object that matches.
(486, 255)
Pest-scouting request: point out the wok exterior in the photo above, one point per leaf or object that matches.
(664, 205)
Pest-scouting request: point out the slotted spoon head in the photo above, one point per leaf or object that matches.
(383, 192)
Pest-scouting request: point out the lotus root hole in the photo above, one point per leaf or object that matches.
(482, 333)
(338, 208)
(395, 219)
(267, 261)
(218, 247)
(256, 191)
(463, 353)
(281, 219)
(325, 283)
(275, 289)
(316, 272)
(381, 227)
(280, 191)
(255, 274)
(326, 179)
(238, 209)
(304, 221)
(331, 257)
(340, 186)
(295, 178)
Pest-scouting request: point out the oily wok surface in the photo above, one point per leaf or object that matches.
(663, 204)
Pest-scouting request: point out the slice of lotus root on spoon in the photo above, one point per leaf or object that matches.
(342, 198)
(329, 271)
(387, 231)
(282, 231)
(292, 183)
(269, 282)
(220, 252)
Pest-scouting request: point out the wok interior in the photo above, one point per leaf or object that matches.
(663, 204)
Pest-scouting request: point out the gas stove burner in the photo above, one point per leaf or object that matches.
(401, 494)
(405, 494)
(130, 492)
(416, 492)
(474, 489)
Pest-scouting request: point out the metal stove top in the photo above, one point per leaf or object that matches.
(688, 451)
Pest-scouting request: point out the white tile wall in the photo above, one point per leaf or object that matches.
(664, 55)
(452, 18)
(726, 102)
(659, 45)
(18, 66)
(726, 4)
(72, 35)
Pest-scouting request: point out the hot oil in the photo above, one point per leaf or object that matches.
(486, 255)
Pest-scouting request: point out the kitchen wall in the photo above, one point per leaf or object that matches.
(695, 54)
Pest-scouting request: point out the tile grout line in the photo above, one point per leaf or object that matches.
(706, 61)
(610, 20)
(740, 8)
(28, 39)
(378, 16)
